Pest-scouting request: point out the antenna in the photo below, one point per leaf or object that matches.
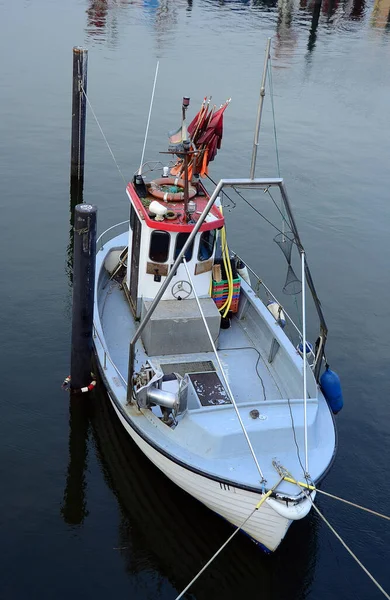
(149, 115)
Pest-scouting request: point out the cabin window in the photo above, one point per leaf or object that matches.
(181, 239)
(132, 216)
(159, 246)
(206, 245)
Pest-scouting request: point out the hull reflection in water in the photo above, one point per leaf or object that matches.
(163, 529)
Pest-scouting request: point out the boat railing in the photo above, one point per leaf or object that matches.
(152, 165)
(259, 283)
(107, 357)
(103, 237)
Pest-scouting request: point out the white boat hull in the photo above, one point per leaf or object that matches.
(266, 527)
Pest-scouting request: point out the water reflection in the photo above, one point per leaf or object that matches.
(291, 17)
(74, 506)
(164, 530)
(381, 14)
(103, 17)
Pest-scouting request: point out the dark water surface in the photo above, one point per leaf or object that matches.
(83, 514)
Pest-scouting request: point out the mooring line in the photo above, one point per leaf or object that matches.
(102, 132)
(304, 487)
(313, 487)
(348, 549)
(258, 505)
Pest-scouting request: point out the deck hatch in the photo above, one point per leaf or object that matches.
(209, 389)
(187, 367)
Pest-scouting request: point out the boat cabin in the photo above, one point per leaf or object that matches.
(156, 240)
(158, 231)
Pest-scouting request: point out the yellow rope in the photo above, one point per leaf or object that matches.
(228, 270)
(312, 487)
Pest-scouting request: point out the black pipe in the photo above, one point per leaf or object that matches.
(79, 109)
(84, 258)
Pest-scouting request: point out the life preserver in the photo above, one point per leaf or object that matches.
(66, 386)
(156, 184)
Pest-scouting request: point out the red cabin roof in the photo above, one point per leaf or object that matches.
(214, 219)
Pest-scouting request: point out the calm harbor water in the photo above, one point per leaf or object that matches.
(83, 514)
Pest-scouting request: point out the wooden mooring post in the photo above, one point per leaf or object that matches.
(84, 258)
(79, 108)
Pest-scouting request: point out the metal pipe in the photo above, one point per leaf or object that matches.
(162, 398)
(304, 362)
(224, 376)
(260, 109)
(310, 283)
(164, 286)
(263, 182)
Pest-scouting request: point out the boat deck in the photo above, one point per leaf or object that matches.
(248, 374)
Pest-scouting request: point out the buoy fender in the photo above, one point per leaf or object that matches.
(276, 311)
(292, 512)
(331, 388)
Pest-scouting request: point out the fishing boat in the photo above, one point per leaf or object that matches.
(200, 368)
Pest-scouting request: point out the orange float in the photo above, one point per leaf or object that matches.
(156, 191)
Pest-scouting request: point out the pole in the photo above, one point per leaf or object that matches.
(260, 109)
(185, 209)
(84, 256)
(148, 121)
(304, 361)
(79, 110)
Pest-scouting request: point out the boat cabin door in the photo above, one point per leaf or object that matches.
(135, 225)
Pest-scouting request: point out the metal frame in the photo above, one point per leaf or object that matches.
(245, 183)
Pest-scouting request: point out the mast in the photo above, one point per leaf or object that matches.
(186, 144)
(260, 109)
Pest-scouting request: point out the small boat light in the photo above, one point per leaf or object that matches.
(191, 207)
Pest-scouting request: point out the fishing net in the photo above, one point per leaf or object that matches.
(285, 242)
(293, 284)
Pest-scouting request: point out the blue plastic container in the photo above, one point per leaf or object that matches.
(331, 388)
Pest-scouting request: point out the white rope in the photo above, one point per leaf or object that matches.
(291, 479)
(258, 505)
(224, 376)
(367, 572)
(303, 486)
(372, 512)
(101, 131)
(214, 556)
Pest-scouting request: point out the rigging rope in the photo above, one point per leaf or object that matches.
(101, 131)
(304, 487)
(313, 487)
(225, 381)
(258, 505)
(367, 572)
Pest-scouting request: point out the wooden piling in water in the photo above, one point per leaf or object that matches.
(84, 258)
(79, 108)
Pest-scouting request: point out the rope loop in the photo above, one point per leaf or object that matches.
(66, 386)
